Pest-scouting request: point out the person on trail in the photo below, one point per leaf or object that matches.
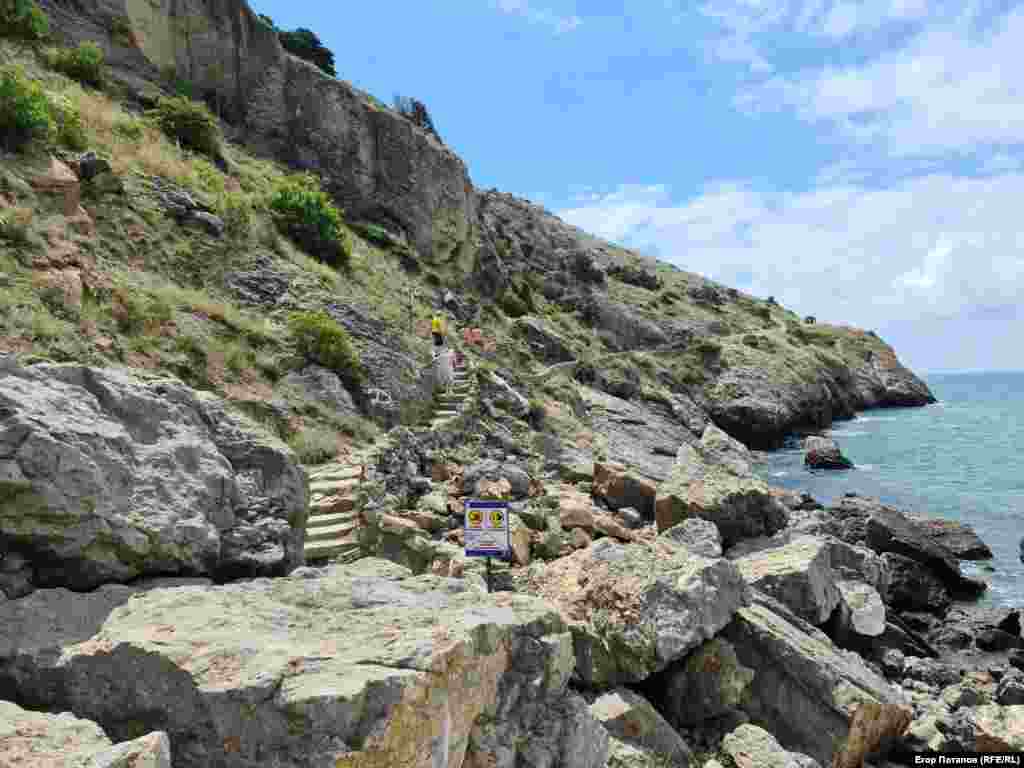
(437, 330)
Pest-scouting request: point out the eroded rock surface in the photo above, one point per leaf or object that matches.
(635, 608)
(40, 740)
(107, 477)
(358, 666)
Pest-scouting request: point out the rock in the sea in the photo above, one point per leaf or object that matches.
(350, 666)
(824, 453)
(706, 684)
(108, 477)
(636, 608)
(753, 747)
(887, 530)
(959, 538)
(629, 717)
(828, 702)
(697, 535)
(713, 480)
(40, 740)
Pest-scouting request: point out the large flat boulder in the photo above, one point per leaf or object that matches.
(42, 740)
(814, 697)
(635, 608)
(107, 477)
(350, 666)
(713, 480)
(753, 747)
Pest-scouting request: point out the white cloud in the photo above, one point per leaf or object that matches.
(949, 90)
(935, 245)
(559, 24)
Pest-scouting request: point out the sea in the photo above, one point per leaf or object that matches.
(961, 458)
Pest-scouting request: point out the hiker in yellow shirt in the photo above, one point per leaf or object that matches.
(437, 330)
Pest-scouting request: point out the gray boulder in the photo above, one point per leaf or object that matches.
(491, 470)
(636, 608)
(697, 535)
(713, 480)
(362, 661)
(548, 345)
(709, 683)
(108, 477)
(321, 386)
(824, 453)
(630, 718)
(862, 611)
(750, 746)
(42, 740)
(1010, 691)
(825, 702)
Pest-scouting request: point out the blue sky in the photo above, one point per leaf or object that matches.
(862, 162)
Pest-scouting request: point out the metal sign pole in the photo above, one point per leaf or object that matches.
(489, 574)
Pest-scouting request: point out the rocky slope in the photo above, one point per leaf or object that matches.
(663, 606)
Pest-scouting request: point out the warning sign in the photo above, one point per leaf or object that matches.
(487, 529)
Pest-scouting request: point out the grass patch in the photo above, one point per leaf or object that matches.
(316, 445)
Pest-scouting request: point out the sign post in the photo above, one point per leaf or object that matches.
(487, 531)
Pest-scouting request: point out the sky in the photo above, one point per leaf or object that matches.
(860, 162)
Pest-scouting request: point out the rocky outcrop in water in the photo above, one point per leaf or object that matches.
(106, 477)
(824, 453)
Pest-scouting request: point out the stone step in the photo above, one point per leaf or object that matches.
(332, 505)
(441, 413)
(330, 532)
(333, 487)
(327, 520)
(337, 477)
(334, 549)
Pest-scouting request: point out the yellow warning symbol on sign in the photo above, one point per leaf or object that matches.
(497, 518)
(475, 517)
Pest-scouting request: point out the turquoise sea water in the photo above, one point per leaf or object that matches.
(962, 459)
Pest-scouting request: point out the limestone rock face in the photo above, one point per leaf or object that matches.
(356, 666)
(635, 608)
(814, 697)
(713, 480)
(107, 477)
(41, 740)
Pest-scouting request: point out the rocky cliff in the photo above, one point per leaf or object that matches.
(378, 164)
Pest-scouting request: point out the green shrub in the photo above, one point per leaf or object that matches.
(308, 216)
(24, 109)
(236, 211)
(67, 120)
(321, 340)
(189, 122)
(84, 63)
(15, 225)
(24, 19)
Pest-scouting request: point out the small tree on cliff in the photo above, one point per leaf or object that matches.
(415, 111)
(306, 45)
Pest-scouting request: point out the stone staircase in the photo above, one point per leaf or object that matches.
(448, 404)
(332, 526)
